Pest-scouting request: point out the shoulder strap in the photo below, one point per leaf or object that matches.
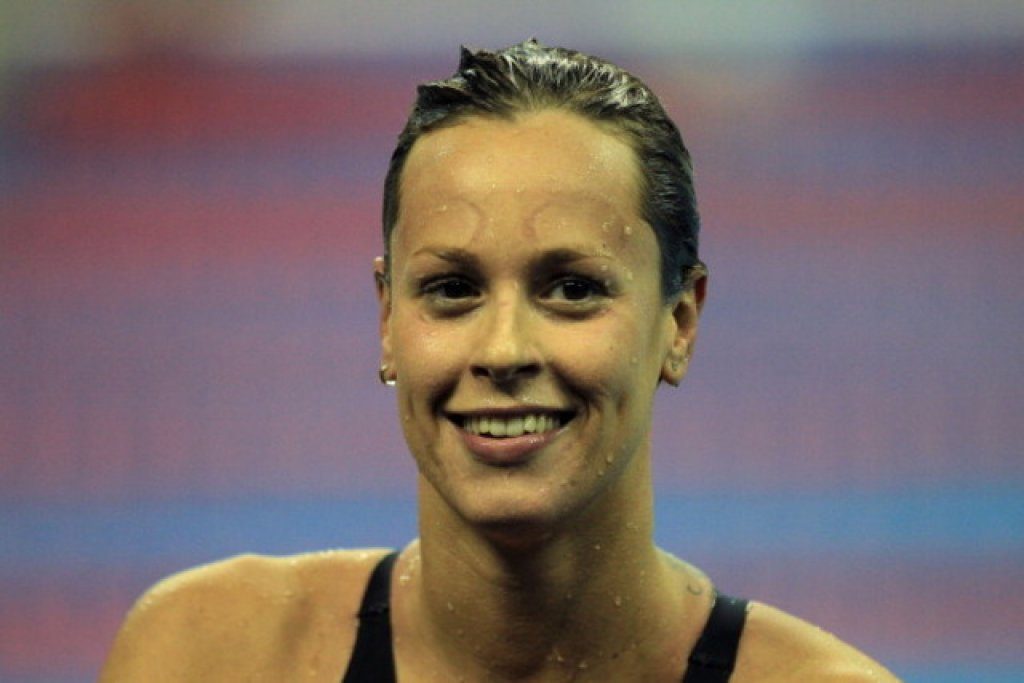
(714, 656)
(372, 659)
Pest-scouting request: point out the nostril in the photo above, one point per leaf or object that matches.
(508, 373)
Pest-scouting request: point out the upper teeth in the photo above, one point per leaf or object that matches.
(511, 426)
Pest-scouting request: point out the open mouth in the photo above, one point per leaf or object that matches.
(509, 426)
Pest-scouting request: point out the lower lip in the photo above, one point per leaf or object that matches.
(507, 451)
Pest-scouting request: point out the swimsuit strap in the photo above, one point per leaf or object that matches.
(372, 659)
(714, 656)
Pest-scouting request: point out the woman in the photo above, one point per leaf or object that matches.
(540, 280)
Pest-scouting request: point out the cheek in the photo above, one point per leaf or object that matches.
(609, 360)
(426, 358)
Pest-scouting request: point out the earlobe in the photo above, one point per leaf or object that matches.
(685, 316)
(674, 368)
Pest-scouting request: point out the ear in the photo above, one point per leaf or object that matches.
(382, 282)
(685, 315)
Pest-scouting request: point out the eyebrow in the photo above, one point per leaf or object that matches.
(467, 259)
(566, 255)
(455, 255)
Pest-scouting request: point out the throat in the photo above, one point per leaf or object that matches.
(512, 620)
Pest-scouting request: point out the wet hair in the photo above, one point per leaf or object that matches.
(532, 77)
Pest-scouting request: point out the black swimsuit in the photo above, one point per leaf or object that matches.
(711, 661)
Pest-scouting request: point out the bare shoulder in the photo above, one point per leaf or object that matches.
(777, 646)
(249, 618)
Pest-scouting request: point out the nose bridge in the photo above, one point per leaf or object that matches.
(505, 346)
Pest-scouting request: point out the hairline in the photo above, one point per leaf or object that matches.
(511, 114)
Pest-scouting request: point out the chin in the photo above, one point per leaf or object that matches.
(518, 520)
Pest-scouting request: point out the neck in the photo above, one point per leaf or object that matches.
(592, 595)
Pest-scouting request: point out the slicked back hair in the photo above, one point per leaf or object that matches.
(532, 77)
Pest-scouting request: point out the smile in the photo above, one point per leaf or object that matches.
(505, 425)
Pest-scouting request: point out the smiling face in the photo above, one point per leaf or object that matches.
(523, 318)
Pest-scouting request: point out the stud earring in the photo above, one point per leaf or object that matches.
(382, 375)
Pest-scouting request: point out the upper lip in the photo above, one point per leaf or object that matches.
(507, 411)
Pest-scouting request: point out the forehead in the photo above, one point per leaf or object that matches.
(548, 167)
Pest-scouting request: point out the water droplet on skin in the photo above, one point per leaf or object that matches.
(608, 459)
(582, 665)
(627, 230)
(600, 472)
(597, 546)
(634, 360)
(604, 268)
(618, 601)
(450, 606)
(404, 579)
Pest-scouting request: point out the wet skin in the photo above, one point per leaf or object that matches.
(523, 279)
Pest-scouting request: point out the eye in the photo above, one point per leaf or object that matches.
(450, 288)
(449, 293)
(576, 289)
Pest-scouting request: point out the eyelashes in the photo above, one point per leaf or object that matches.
(572, 293)
(449, 287)
(576, 288)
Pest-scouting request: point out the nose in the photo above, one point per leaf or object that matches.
(505, 350)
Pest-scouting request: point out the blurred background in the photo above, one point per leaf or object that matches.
(189, 201)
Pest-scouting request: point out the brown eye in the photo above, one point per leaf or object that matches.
(450, 288)
(576, 289)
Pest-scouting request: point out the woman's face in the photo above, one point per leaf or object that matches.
(524, 320)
